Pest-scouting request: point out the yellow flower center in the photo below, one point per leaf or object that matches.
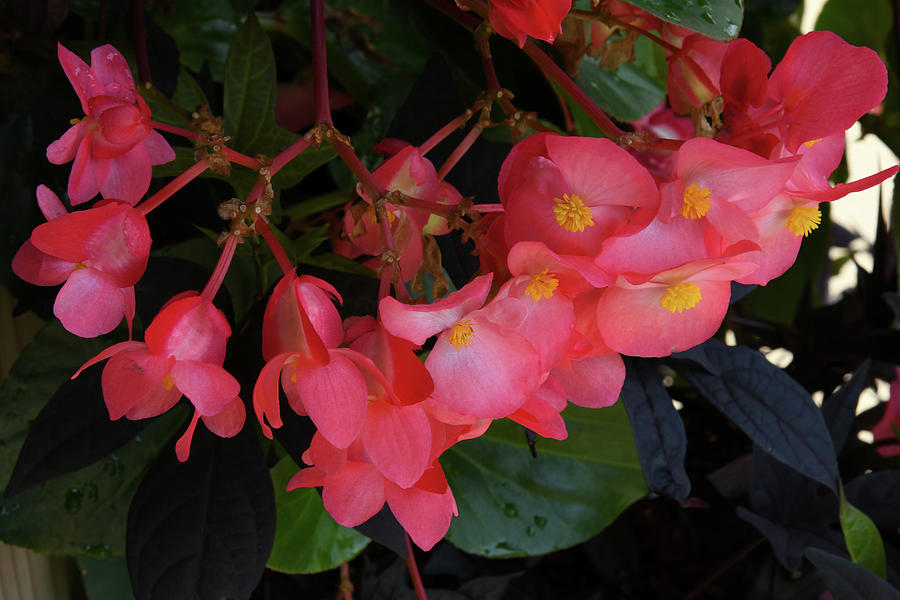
(803, 219)
(812, 143)
(696, 202)
(461, 334)
(167, 380)
(681, 297)
(572, 214)
(541, 285)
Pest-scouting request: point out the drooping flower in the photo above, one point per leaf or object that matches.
(97, 254)
(182, 354)
(114, 145)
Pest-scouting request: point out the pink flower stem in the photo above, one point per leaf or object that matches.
(140, 40)
(557, 75)
(275, 246)
(215, 281)
(173, 186)
(289, 154)
(414, 571)
(345, 587)
(444, 210)
(441, 134)
(320, 63)
(488, 208)
(345, 151)
(459, 151)
(191, 135)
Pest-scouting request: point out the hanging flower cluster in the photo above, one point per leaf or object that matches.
(599, 248)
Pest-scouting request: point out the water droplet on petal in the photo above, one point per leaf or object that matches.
(110, 56)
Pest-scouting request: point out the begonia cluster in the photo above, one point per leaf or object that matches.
(596, 250)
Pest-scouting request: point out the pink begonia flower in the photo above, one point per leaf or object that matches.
(182, 354)
(693, 73)
(886, 430)
(518, 19)
(354, 490)
(820, 88)
(114, 145)
(657, 313)
(573, 194)
(98, 254)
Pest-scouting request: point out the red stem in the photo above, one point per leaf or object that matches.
(275, 246)
(173, 186)
(320, 63)
(218, 276)
(443, 132)
(140, 40)
(362, 173)
(414, 571)
(459, 151)
(289, 154)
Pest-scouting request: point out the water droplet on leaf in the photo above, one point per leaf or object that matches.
(73, 500)
(509, 510)
(540, 521)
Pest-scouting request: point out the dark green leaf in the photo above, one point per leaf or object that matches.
(849, 581)
(105, 578)
(769, 406)
(861, 24)
(202, 31)
(718, 19)
(87, 508)
(511, 504)
(628, 93)
(862, 537)
(307, 540)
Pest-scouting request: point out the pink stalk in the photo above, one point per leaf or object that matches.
(215, 281)
(173, 186)
(275, 246)
(488, 208)
(459, 151)
(352, 161)
(443, 132)
(232, 155)
(191, 135)
(289, 154)
(320, 63)
(414, 571)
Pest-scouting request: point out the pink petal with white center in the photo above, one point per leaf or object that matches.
(230, 421)
(90, 303)
(83, 184)
(266, 404)
(489, 375)
(128, 176)
(39, 268)
(64, 149)
(112, 70)
(354, 495)
(418, 322)
(134, 380)
(424, 514)
(210, 388)
(593, 382)
(158, 149)
(398, 440)
(335, 398)
(633, 322)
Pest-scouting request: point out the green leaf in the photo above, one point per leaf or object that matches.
(628, 93)
(511, 504)
(318, 204)
(188, 93)
(307, 540)
(106, 578)
(718, 19)
(862, 538)
(861, 24)
(202, 31)
(336, 262)
(82, 513)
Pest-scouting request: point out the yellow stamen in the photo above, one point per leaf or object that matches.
(803, 219)
(541, 285)
(812, 143)
(572, 214)
(167, 380)
(461, 334)
(696, 202)
(681, 297)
